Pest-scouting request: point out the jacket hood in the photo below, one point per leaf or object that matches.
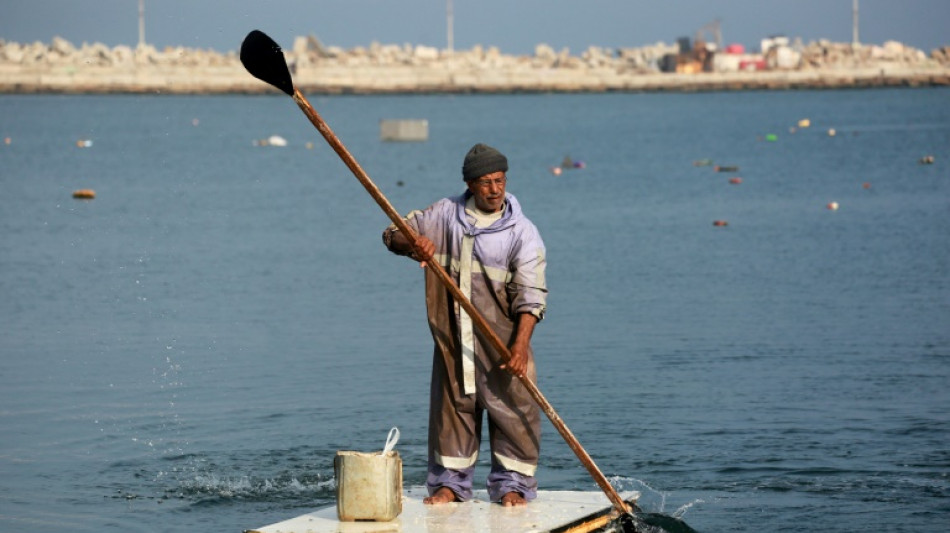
(511, 215)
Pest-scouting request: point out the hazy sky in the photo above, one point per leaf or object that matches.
(515, 26)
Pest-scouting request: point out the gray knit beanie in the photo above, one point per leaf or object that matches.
(483, 159)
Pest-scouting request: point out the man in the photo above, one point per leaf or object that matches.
(497, 258)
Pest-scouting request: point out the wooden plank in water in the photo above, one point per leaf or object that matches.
(558, 511)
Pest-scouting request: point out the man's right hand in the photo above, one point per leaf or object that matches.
(422, 250)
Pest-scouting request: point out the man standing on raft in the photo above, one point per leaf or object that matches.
(497, 258)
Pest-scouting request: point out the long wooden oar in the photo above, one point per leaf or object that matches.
(263, 58)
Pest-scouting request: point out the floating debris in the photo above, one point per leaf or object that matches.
(84, 194)
(804, 123)
(926, 160)
(702, 162)
(832, 132)
(718, 168)
(405, 130)
(771, 137)
(556, 171)
(735, 181)
(832, 206)
(570, 163)
(273, 140)
(84, 143)
(720, 223)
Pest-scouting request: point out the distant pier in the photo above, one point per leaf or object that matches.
(61, 68)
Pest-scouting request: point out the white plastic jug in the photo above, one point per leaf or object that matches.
(369, 485)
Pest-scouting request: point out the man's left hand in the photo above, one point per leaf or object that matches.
(520, 349)
(518, 364)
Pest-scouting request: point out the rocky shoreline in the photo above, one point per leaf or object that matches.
(61, 68)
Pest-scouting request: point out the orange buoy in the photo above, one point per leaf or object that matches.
(84, 194)
(720, 223)
(735, 181)
(867, 185)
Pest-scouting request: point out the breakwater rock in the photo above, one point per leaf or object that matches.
(61, 67)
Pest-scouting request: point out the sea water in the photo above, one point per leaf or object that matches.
(188, 351)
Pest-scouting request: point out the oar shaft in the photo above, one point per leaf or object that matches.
(349, 160)
(463, 301)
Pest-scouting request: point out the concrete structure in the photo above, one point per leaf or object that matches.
(60, 67)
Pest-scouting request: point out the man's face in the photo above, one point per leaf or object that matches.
(489, 191)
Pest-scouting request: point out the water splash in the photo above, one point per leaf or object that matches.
(679, 513)
(623, 484)
(209, 488)
(248, 487)
(656, 521)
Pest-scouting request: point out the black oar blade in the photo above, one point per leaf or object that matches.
(263, 58)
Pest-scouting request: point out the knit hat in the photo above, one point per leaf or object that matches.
(483, 159)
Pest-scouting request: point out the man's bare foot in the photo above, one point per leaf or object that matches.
(513, 499)
(443, 495)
